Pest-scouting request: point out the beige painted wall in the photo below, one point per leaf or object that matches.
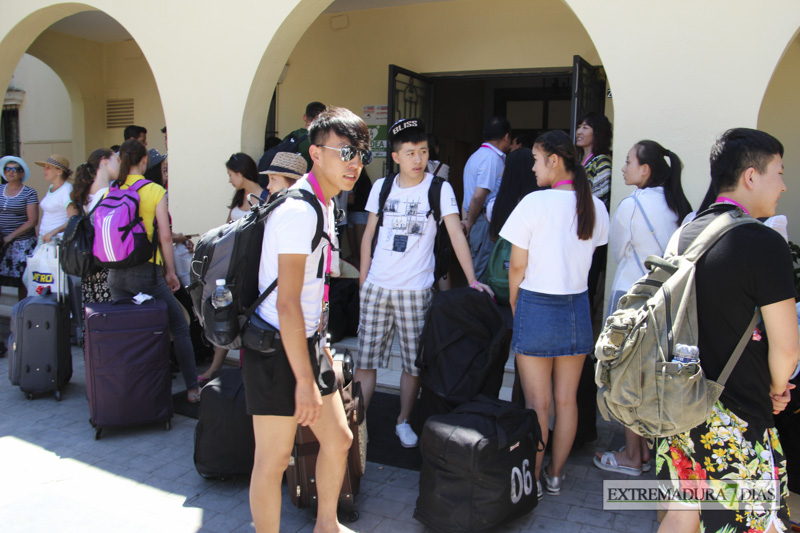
(45, 114)
(680, 71)
(780, 116)
(45, 117)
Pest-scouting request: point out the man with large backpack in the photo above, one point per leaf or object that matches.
(297, 142)
(396, 278)
(748, 268)
(290, 380)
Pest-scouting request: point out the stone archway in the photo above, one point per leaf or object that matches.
(779, 115)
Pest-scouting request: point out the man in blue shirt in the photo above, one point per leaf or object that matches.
(482, 175)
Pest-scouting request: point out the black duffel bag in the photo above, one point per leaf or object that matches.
(224, 442)
(478, 466)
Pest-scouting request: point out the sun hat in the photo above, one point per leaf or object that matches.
(154, 158)
(58, 161)
(15, 159)
(288, 165)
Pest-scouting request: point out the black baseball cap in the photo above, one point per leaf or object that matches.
(404, 124)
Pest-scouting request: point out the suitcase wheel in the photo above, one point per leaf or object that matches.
(58, 395)
(97, 433)
(352, 516)
(29, 395)
(168, 425)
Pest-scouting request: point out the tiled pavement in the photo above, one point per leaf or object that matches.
(56, 477)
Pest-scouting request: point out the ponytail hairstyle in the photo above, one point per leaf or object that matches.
(85, 174)
(663, 174)
(557, 142)
(244, 165)
(131, 153)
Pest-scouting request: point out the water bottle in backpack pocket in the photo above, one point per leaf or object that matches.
(221, 317)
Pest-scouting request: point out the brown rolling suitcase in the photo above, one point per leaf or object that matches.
(301, 473)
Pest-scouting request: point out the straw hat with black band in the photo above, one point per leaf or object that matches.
(287, 164)
(58, 161)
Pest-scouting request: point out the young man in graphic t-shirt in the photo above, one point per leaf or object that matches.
(294, 383)
(747, 268)
(396, 281)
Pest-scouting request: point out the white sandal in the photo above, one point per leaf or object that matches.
(645, 464)
(609, 463)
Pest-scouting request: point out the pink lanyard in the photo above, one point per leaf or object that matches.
(318, 191)
(726, 200)
(588, 158)
(563, 182)
(490, 147)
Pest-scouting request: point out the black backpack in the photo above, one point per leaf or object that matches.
(288, 145)
(75, 252)
(233, 252)
(442, 246)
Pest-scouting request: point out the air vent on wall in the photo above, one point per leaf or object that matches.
(119, 113)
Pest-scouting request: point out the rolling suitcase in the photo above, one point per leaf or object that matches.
(41, 355)
(301, 473)
(224, 442)
(127, 364)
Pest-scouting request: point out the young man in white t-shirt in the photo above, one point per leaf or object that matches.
(396, 279)
(294, 383)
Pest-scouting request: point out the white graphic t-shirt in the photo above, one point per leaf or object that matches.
(403, 256)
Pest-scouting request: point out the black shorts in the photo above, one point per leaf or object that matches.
(269, 382)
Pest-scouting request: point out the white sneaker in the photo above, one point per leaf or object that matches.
(408, 439)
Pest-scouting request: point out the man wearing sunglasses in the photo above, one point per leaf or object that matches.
(295, 383)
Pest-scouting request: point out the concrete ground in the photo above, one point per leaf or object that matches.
(56, 477)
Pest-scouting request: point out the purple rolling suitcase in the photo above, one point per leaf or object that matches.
(127, 364)
(41, 354)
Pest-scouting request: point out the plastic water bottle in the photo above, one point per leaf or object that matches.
(686, 354)
(222, 296)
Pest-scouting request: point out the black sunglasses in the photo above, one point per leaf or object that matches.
(347, 153)
(12, 169)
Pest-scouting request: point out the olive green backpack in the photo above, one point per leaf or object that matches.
(640, 383)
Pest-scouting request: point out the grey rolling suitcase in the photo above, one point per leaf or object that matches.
(39, 344)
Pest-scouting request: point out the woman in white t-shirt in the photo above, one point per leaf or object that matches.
(54, 204)
(554, 234)
(642, 225)
(91, 183)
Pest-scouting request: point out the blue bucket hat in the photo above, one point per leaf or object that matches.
(15, 159)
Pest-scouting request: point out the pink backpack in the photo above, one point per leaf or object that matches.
(120, 238)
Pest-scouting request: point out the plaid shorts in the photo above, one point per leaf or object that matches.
(383, 310)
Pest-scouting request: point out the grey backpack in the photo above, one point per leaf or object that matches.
(648, 367)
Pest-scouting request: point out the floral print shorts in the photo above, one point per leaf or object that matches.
(724, 449)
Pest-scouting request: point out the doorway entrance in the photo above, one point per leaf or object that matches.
(454, 107)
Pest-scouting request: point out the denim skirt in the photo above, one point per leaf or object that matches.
(549, 325)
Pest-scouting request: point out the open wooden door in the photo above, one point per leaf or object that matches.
(410, 96)
(588, 90)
